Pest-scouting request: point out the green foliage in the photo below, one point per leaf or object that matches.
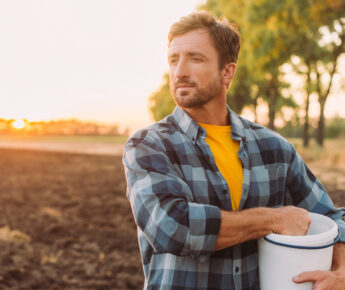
(265, 26)
(290, 130)
(272, 32)
(161, 101)
(239, 94)
(335, 128)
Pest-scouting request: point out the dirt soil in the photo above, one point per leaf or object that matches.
(79, 224)
(65, 222)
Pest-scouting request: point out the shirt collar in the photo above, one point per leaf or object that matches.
(187, 124)
(237, 124)
(192, 129)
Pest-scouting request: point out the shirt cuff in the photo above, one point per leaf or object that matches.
(204, 226)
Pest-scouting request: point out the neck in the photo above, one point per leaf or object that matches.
(214, 112)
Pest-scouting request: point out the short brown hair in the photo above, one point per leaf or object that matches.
(225, 35)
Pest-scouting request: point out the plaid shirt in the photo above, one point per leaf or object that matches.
(176, 192)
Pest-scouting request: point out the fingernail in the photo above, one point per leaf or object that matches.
(296, 279)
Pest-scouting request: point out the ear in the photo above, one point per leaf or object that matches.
(228, 73)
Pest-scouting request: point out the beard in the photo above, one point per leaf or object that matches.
(195, 96)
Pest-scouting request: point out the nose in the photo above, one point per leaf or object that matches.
(181, 69)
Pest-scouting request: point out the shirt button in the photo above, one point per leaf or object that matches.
(225, 191)
(202, 259)
(237, 269)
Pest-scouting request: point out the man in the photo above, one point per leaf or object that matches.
(204, 183)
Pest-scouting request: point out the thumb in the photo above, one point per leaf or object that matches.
(311, 276)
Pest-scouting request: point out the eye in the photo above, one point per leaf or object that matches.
(196, 59)
(172, 61)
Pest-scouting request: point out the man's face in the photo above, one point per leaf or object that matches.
(195, 77)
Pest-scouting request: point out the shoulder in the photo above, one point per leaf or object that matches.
(264, 138)
(155, 135)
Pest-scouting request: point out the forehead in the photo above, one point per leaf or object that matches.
(197, 40)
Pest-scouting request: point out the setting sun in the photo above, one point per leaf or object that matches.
(18, 124)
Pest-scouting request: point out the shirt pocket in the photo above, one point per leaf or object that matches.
(267, 184)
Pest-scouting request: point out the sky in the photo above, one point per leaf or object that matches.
(94, 60)
(97, 60)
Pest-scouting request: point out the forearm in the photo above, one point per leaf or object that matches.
(240, 226)
(338, 256)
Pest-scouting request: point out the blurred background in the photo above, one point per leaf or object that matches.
(78, 77)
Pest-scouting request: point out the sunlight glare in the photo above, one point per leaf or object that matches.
(18, 124)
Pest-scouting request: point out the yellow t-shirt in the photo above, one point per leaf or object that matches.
(225, 150)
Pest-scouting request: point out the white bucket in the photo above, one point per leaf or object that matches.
(282, 257)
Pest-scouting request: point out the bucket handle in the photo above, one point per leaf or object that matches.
(305, 247)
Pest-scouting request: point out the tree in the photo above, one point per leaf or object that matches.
(161, 101)
(307, 102)
(318, 56)
(273, 31)
(267, 44)
(328, 65)
(239, 94)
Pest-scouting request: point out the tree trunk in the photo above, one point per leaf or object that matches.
(255, 106)
(306, 119)
(323, 96)
(306, 125)
(273, 95)
(320, 135)
(271, 114)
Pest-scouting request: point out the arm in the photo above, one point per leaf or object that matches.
(172, 223)
(308, 192)
(338, 262)
(257, 222)
(162, 204)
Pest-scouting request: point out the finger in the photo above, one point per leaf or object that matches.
(311, 276)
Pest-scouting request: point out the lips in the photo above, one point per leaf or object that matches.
(183, 86)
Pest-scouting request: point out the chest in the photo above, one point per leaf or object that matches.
(264, 178)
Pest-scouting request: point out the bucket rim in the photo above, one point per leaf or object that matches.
(317, 239)
(305, 247)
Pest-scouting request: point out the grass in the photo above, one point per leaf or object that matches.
(331, 154)
(64, 139)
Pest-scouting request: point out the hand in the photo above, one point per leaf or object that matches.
(323, 280)
(333, 280)
(291, 220)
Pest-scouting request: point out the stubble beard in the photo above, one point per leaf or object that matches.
(201, 96)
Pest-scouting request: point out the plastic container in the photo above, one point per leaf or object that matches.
(282, 257)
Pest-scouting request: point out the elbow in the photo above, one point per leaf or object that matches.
(174, 244)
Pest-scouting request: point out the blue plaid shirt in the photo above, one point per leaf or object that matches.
(176, 192)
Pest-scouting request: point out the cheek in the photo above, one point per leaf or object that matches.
(206, 71)
(171, 76)
(207, 76)
(171, 82)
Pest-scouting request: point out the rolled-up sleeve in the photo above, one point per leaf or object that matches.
(163, 206)
(307, 192)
